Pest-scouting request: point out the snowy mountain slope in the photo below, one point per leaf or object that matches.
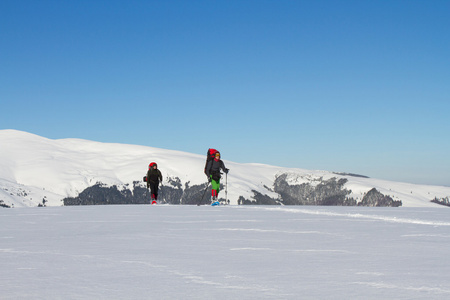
(34, 168)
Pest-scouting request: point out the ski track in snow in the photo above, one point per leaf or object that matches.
(271, 230)
(189, 277)
(384, 285)
(361, 216)
(427, 235)
(293, 251)
(200, 279)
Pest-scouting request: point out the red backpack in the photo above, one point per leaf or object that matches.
(149, 167)
(210, 156)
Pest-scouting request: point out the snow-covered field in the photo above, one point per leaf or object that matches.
(225, 252)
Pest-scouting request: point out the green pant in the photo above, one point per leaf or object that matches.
(215, 187)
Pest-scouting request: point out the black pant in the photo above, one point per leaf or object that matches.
(154, 189)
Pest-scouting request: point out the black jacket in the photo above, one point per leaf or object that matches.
(154, 176)
(214, 166)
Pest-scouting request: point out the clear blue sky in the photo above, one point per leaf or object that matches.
(346, 86)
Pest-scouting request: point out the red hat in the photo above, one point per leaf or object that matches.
(152, 164)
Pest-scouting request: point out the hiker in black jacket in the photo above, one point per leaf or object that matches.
(154, 176)
(212, 171)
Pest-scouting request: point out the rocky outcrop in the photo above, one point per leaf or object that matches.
(322, 192)
(316, 191)
(258, 199)
(374, 198)
(442, 201)
(100, 194)
(174, 193)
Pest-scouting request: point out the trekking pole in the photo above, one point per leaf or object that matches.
(162, 194)
(226, 188)
(201, 200)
